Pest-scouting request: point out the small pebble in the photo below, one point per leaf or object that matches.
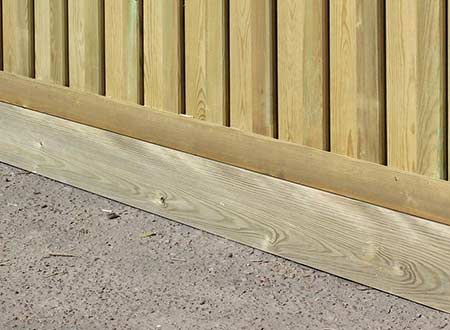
(113, 215)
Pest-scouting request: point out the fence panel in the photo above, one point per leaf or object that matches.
(86, 45)
(357, 79)
(163, 71)
(252, 99)
(51, 41)
(321, 73)
(416, 86)
(1, 36)
(206, 60)
(18, 43)
(123, 46)
(303, 103)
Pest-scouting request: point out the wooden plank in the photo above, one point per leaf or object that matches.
(51, 41)
(86, 45)
(357, 95)
(388, 250)
(403, 191)
(18, 43)
(163, 55)
(123, 46)
(416, 86)
(1, 37)
(303, 105)
(252, 102)
(206, 60)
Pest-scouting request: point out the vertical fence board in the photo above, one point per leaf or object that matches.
(416, 86)
(86, 45)
(123, 45)
(51, 41)
(252, 104)
(303, 105)
(206, 60)
(18, 40)
(357, 79)
(163, 55)
(1, 37)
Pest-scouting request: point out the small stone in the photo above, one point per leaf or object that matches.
(112, 216)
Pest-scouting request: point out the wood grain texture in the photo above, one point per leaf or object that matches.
(207, 60)
(86, 45)
(357, 78)
(390, 251)
(18, 42)
(416, 86)
(252, 103)
(403, 191)
(303, 102)
(50, 28)
(123, 46)
(1, 37)
(163, 55)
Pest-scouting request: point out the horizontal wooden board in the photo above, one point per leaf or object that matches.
(395, 189)
(388, 250)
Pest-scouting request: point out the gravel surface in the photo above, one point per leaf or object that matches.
(72, 260)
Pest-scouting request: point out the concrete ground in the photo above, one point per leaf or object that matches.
(66, 262)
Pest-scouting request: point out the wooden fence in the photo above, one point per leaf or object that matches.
(346, 96)
(366, 79)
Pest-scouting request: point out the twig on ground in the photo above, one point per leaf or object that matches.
(61, 254)
(147, 234)
(57, 273)
(178, 259)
